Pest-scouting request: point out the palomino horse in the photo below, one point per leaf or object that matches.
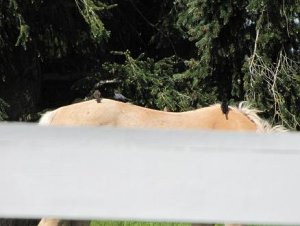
(113, 113)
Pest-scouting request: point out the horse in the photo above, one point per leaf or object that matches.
(107, 112)
(119, 114)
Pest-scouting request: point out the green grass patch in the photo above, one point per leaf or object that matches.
(134, 223)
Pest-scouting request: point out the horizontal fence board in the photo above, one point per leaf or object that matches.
(127, 174)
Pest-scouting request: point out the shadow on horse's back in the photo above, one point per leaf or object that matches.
(118, 114)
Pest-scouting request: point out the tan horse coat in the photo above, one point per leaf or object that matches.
(114, 113)
(118, 114)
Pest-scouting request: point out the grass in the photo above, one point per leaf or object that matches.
(133, 223)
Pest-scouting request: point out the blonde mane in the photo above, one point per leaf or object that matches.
(263, 126)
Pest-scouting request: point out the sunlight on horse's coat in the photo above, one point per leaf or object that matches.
(113, 113)
(119, 114)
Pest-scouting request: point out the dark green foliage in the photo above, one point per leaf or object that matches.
(222, 39)
(44, 39)
(179, 54)
(241, 64)
(155, 84)
(3, 107)
(273, 69)
(89, 9)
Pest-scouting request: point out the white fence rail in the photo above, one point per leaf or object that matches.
(188, 176)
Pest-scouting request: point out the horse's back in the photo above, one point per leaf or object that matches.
(110, 113)
(87, 113)
(114, 113)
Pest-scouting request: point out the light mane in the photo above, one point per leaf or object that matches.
(263, 126)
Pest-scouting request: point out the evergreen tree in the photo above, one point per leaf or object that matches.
(238, 43)
(222, 40)
(181, 54)
(40, 40)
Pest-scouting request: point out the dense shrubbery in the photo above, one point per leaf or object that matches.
(178, 54)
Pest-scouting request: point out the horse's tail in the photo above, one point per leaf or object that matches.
(46, 118)
(263, 126)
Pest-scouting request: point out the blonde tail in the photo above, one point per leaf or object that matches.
(46, 118)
